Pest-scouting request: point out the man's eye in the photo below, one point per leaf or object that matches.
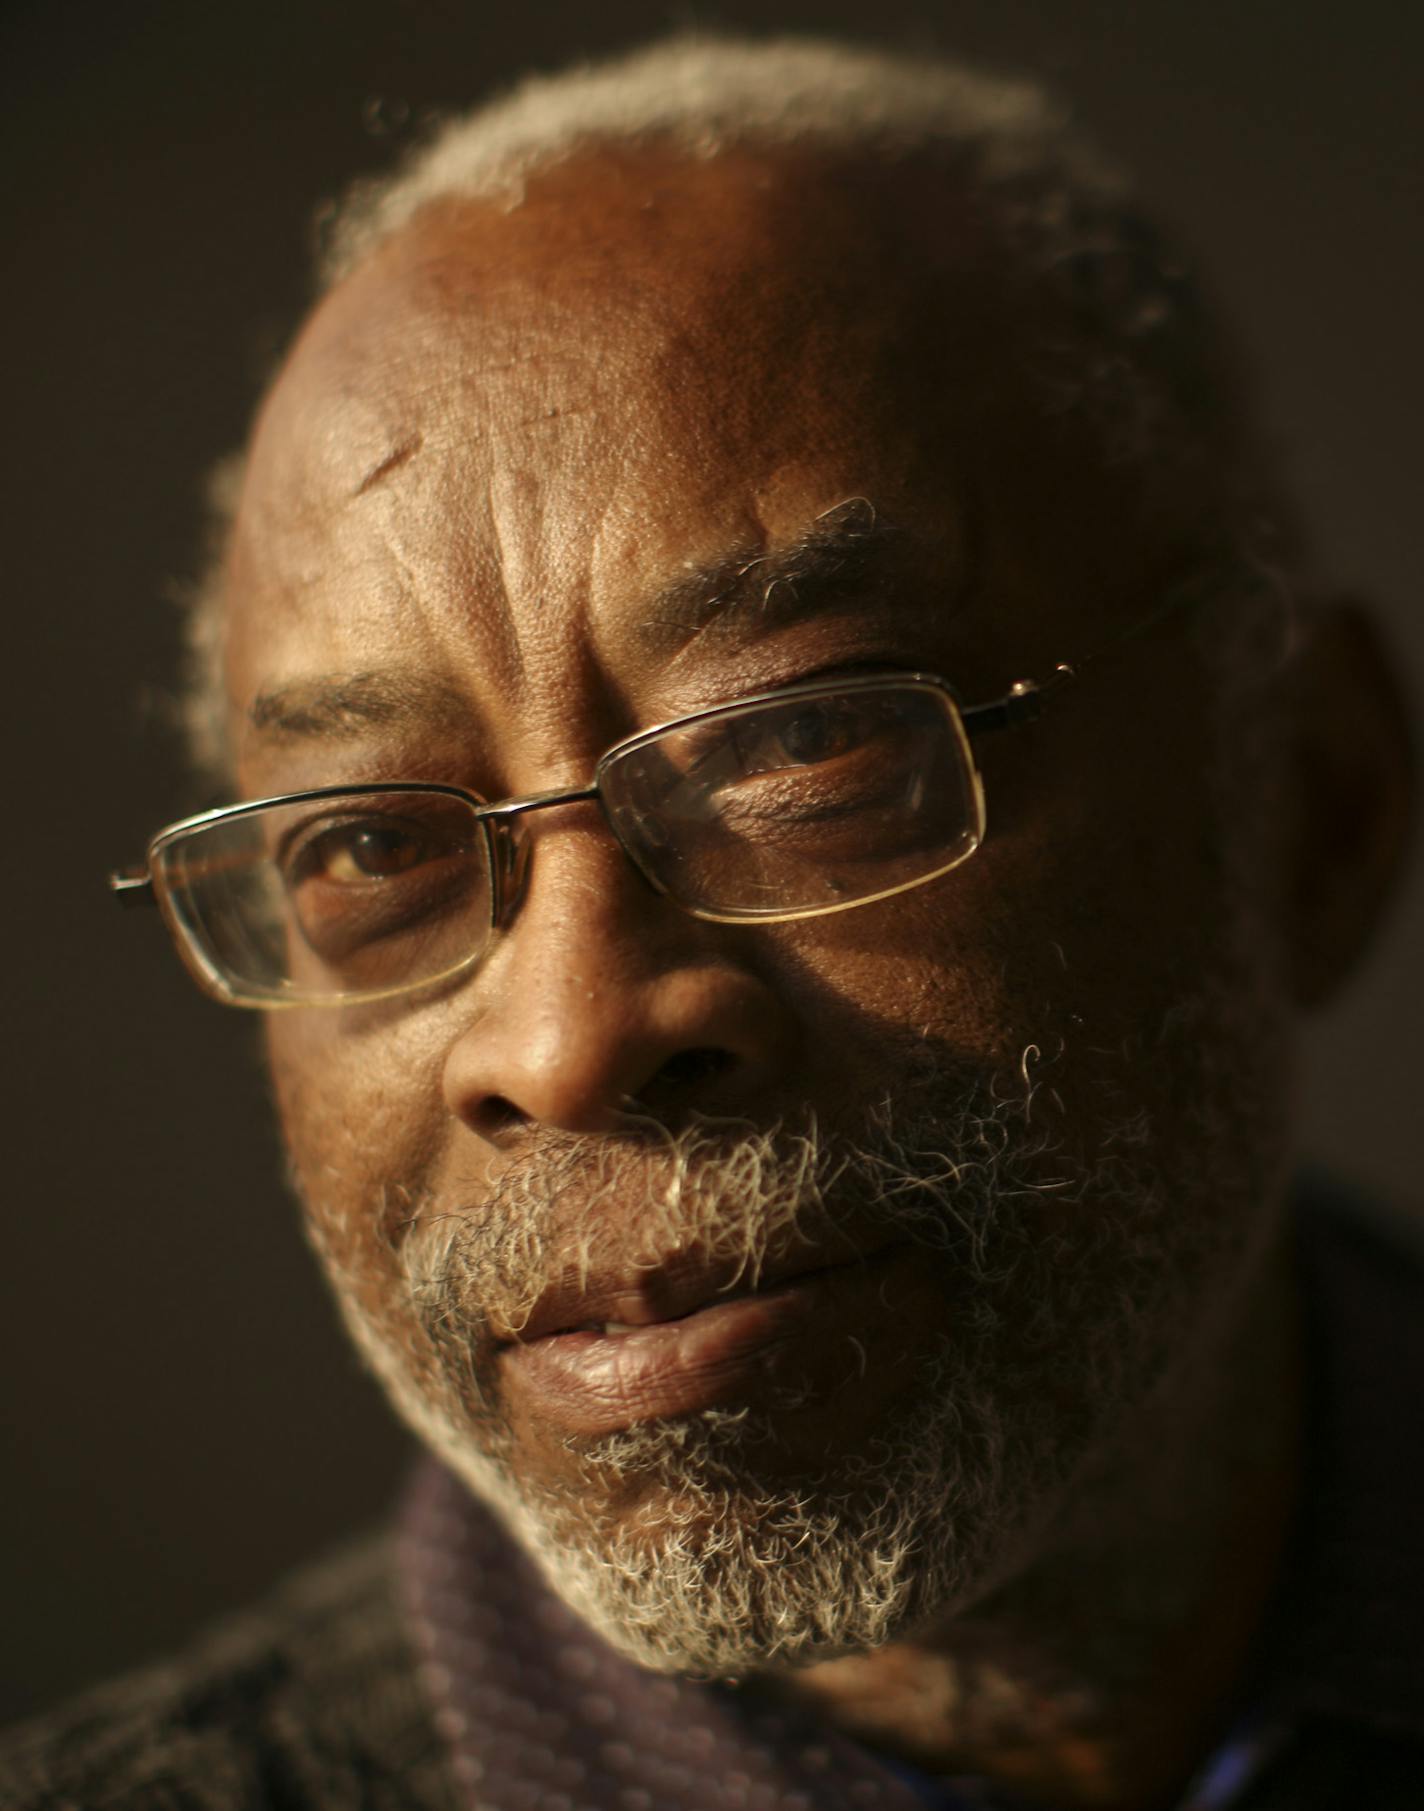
(355, 854)
(817, 732)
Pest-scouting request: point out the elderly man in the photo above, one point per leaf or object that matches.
(795, 792)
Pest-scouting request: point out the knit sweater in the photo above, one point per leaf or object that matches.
(310, 1700)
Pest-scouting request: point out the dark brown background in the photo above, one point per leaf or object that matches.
(180, 1418)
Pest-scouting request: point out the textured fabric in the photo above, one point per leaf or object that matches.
(310, 1701)
(436, 1673)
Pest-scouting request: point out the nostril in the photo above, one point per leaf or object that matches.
(689, 1067)
(498, 1116)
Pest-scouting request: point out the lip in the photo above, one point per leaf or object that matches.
(670, 1291)
(688, 1347)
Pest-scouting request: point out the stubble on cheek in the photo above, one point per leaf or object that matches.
(360, 1146)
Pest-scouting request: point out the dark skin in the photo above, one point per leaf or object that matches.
(493, 445)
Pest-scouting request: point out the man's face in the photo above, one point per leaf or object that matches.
(702, 1247)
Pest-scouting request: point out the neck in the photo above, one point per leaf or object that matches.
(1100, 1675)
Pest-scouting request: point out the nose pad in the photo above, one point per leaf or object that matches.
(510, 854)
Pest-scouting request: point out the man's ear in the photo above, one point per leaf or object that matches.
(1352, 784)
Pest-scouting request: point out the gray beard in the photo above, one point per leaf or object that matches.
(1074, 1294)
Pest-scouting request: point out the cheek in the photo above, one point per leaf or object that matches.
(1081, 951)
(1029, 942)
(359, 1114)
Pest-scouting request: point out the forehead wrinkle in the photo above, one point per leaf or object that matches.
(500, 557)
(391, 462)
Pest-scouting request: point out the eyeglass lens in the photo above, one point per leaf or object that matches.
(806, 804)
(332, 898)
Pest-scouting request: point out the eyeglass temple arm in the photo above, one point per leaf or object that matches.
(1026, 698)
(132, 886)
(1023, 703)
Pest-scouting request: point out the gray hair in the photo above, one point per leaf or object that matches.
(704, 95)
(1141, 358)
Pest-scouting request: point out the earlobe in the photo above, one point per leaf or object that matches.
(1352, 786)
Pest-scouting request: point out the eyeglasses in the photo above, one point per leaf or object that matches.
(787, 804)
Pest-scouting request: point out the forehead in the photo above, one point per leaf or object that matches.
(512, 426)
(740, 308)
(735, 281)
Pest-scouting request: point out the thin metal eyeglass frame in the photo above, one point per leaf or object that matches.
(1022, 703)
(138, 885)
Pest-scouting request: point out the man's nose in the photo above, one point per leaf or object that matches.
(599, 999)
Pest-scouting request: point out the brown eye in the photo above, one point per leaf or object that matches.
(353, 854)
(817, 732)
(374, 853)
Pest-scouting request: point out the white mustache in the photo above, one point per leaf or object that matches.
(735, 1194)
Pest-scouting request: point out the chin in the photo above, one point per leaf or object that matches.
(688, 1552)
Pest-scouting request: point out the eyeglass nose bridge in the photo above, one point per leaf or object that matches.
(511, 848)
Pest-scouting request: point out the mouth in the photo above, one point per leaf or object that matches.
(665, 1344)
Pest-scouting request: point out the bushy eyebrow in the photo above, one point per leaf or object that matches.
(337, 706)
(846, 552)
